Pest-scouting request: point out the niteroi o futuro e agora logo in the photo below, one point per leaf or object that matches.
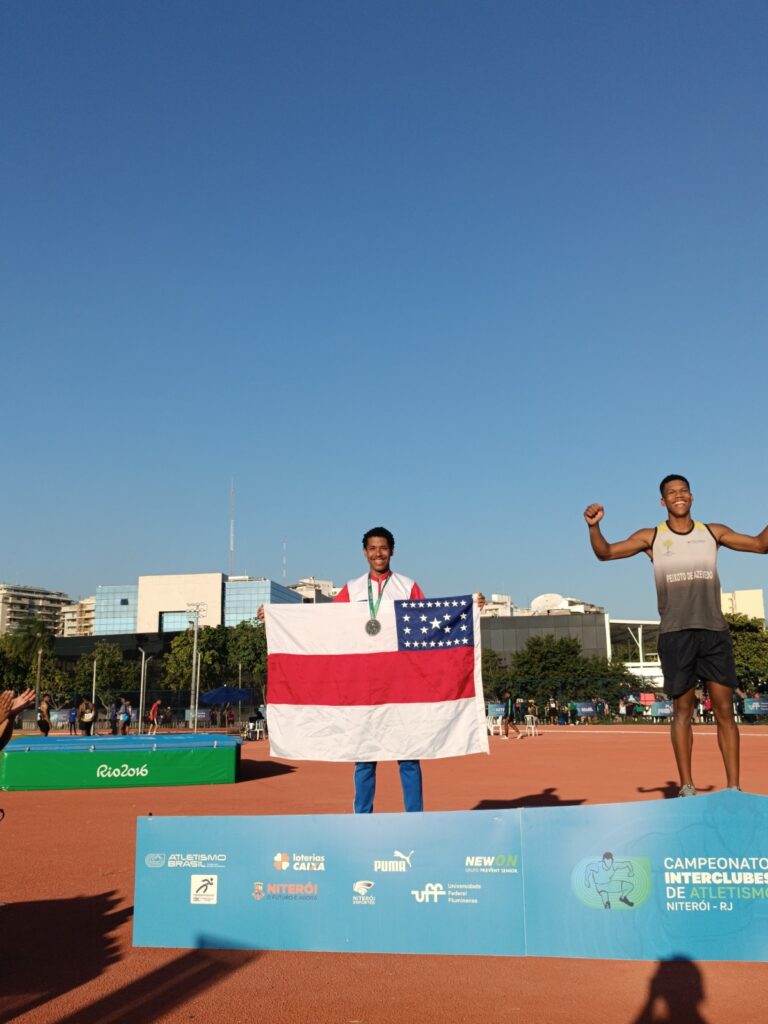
(612, 882)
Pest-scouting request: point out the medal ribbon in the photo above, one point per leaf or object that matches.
(374, 609)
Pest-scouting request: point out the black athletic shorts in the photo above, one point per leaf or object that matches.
(693, 656)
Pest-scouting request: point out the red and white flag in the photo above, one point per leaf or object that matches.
(414, 690)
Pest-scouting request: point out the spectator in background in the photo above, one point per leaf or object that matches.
(552, 711)
(126, 713)
(154, 718)
(709, 717)
(112, 718)
(86, 715)
(72, 719)
(509, 716)
(44, 715)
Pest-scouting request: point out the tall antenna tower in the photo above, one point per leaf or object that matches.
(232, 527)
(285, 561)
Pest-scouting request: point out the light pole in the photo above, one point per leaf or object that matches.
(195, 610)
(143, 687)
(197, 688)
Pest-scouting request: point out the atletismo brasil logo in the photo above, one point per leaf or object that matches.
(611, 882)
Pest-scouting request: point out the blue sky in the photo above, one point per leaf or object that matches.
(457, 268)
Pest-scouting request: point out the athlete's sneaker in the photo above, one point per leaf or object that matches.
(687, 790)
(623, 899)
(505, 737)
(737, 788)
(607, 905)
(521, 736)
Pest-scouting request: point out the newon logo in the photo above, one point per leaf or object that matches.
(155, 860)
(492, 863)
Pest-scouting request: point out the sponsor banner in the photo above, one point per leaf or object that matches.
(756, 705)
(586, 709)
(662, 709)
(413, 883)
(649, 880)
(643, 881)
(203, 715)
(496, 710)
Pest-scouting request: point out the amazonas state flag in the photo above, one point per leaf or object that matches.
(413, 691)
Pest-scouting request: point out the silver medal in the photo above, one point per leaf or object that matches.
(372, 627)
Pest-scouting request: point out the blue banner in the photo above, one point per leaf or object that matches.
(756, 705)
(496, 710)
(585, 709)
(661, 709)
(392, 883)
(647, 880)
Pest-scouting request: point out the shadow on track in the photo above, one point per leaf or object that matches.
(49, 947)
(546, 798)
(162, 990)
(250, 770)
(674, 994)
(671, 789)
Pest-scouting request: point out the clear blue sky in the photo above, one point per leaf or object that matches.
(459, 268)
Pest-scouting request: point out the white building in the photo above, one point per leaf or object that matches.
(314, 590)
(19, 602)
(77, 619)
(743, 602)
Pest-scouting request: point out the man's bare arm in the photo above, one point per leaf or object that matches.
(724, 535)
(641, 540)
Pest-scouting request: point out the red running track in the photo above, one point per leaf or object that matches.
(67, 886)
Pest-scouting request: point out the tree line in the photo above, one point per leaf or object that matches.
(546, 666)
(549, 666)
(228, 654)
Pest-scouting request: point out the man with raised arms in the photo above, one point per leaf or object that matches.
(694, 642)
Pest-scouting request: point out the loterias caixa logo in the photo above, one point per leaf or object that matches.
(612, 882)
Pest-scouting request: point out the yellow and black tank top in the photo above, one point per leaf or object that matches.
(687, 584)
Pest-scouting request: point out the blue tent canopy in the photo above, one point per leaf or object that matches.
(227, 695)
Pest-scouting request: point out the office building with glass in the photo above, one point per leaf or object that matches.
(243, 595)
(116, 610)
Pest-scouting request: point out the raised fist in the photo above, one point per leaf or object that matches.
(593, 514)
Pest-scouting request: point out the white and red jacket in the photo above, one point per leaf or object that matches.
(399, 588)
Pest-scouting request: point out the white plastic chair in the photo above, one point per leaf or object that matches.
(530, 725)
(495, 722)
